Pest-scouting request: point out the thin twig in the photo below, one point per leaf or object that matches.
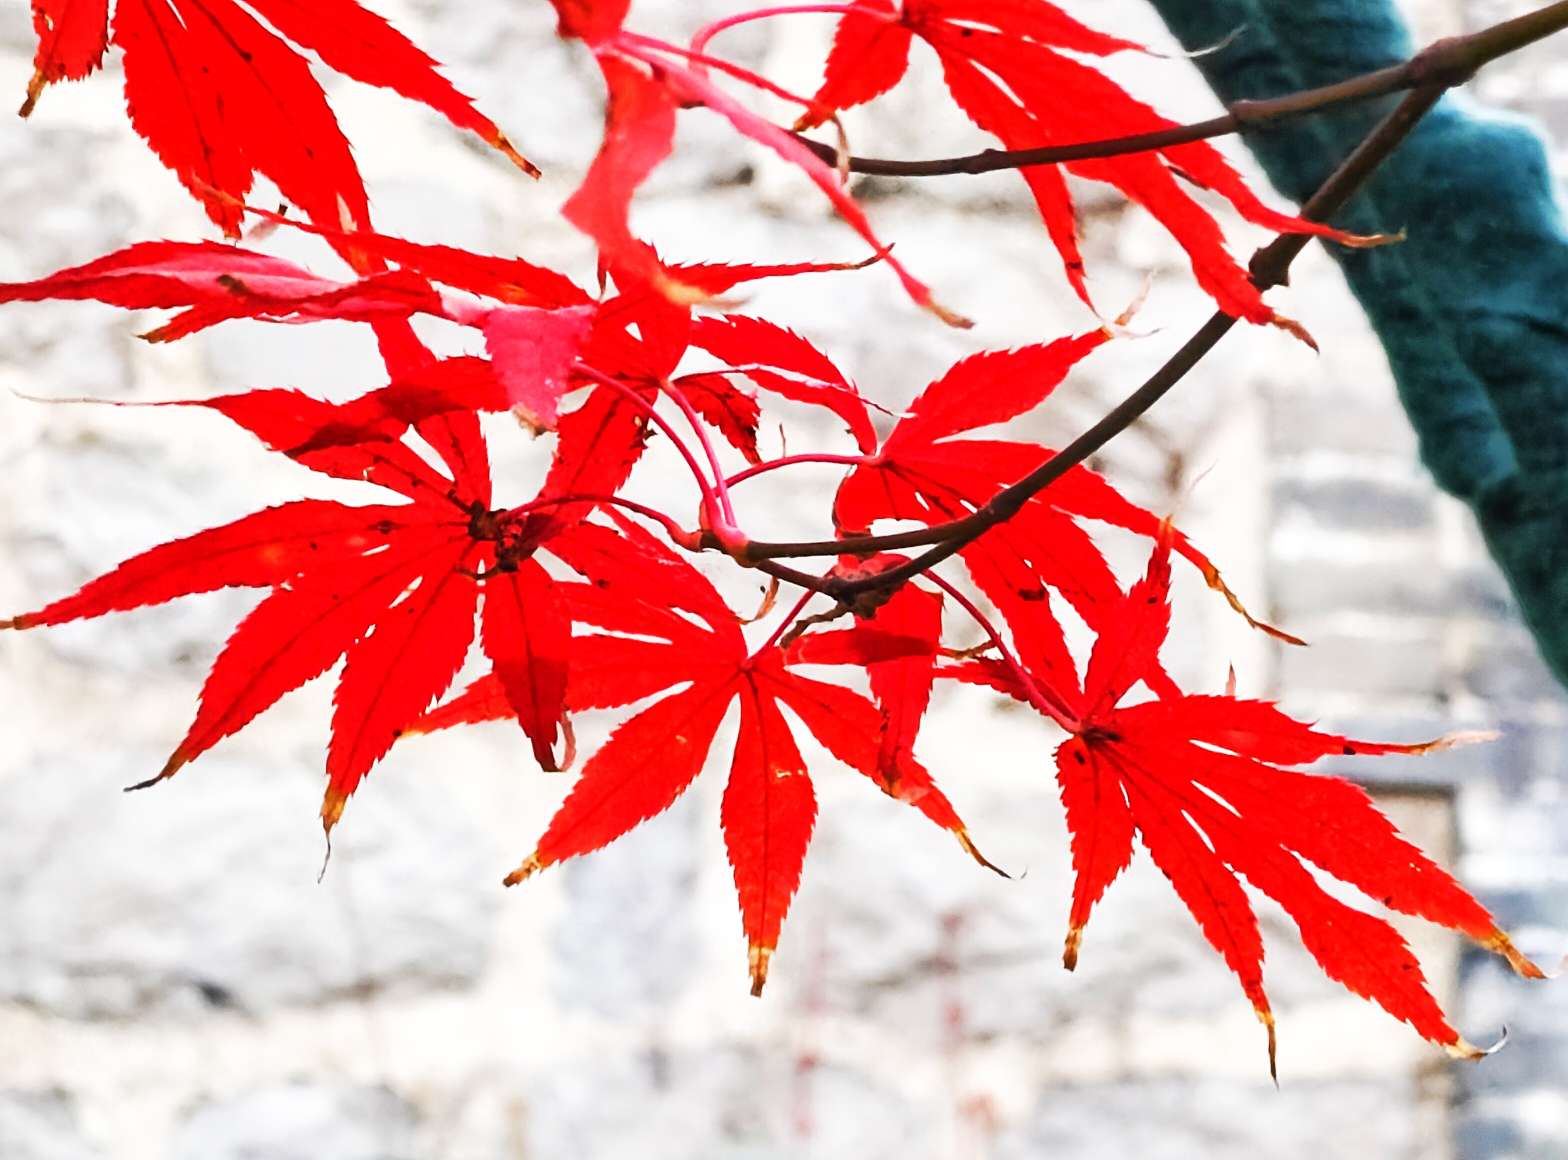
(1268, 268)
(1445, 63)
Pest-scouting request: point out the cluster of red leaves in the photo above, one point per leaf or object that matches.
(220, 96)
(578, 598)
(1007, 66)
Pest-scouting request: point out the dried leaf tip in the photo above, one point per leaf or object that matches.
(1212, 577)
(1266, 1017)
(1500, 943)
(500, 142)
(1461, 1048)
(177, 761)
(973, 851)
(1371, 241)
(760, 957)
(531, 866)
(1293, 328)
(332, 809)
(952, 318)
(1457, 741)
(1070, 951)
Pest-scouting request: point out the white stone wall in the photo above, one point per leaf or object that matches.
(175, 984)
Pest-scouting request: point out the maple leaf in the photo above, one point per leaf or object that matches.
(1198, 780)
(769, 805)
(1006, 65)
(219, 96)
(923, 472)
(391, 590)
(897, 644)
(647, 82)
(782, 362)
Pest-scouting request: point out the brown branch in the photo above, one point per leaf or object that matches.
(1269, 267)
(1428, 76)
(1445, 63)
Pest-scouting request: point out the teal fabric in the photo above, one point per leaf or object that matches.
(1473, 308)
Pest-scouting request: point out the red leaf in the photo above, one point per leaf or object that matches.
(296, 635)
(755, 347)
(397, 672)
(768, 813)
(262, 550)
(219, 97)
(651, 759)
(992, 387)
(360, 44)
(732, 412)
(1101, 827)
(1005, 65)
(870, 56)
(527, 636)
(534, 351)
(1193, 776)
(639, 134)
(693, 88)
(218, 283)
(72, 35)
(591, 20)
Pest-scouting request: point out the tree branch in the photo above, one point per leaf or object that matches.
(1445, 63)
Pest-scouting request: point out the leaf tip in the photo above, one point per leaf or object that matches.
(332, 810)
(1457, 741)
(1070, 951)
(1461, 1048)
(531, 866)
(1499, 943)
(760, 957)
(35, 89)
(1371, 241)
(501, 142)
(178, 760)
(968, 843)
(1266, 1017)
(950, 317)
(1293, 328)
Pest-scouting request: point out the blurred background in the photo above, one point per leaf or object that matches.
(175, 985)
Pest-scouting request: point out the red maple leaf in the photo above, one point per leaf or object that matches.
(1007, 66)
(669, 630)
(1199, 781)
(648, 81)
(220, 96)
(392, 590)
(923, 472)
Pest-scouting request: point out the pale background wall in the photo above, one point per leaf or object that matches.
(174, 984)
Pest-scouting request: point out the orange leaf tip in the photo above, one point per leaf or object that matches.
(35, 89)
(177, 761)
(1266, 1017)
(1296, 330)
(1457, 741)
(1371, 241)
(527, 870)
(500, 141)
(952, 318)
(973, 851)
(1070, 951)
(1500, 943)
(332, 809)
(1461, 1048)
(760, 956)
(1214, 580)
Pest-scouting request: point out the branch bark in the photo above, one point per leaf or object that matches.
(1447, 63)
